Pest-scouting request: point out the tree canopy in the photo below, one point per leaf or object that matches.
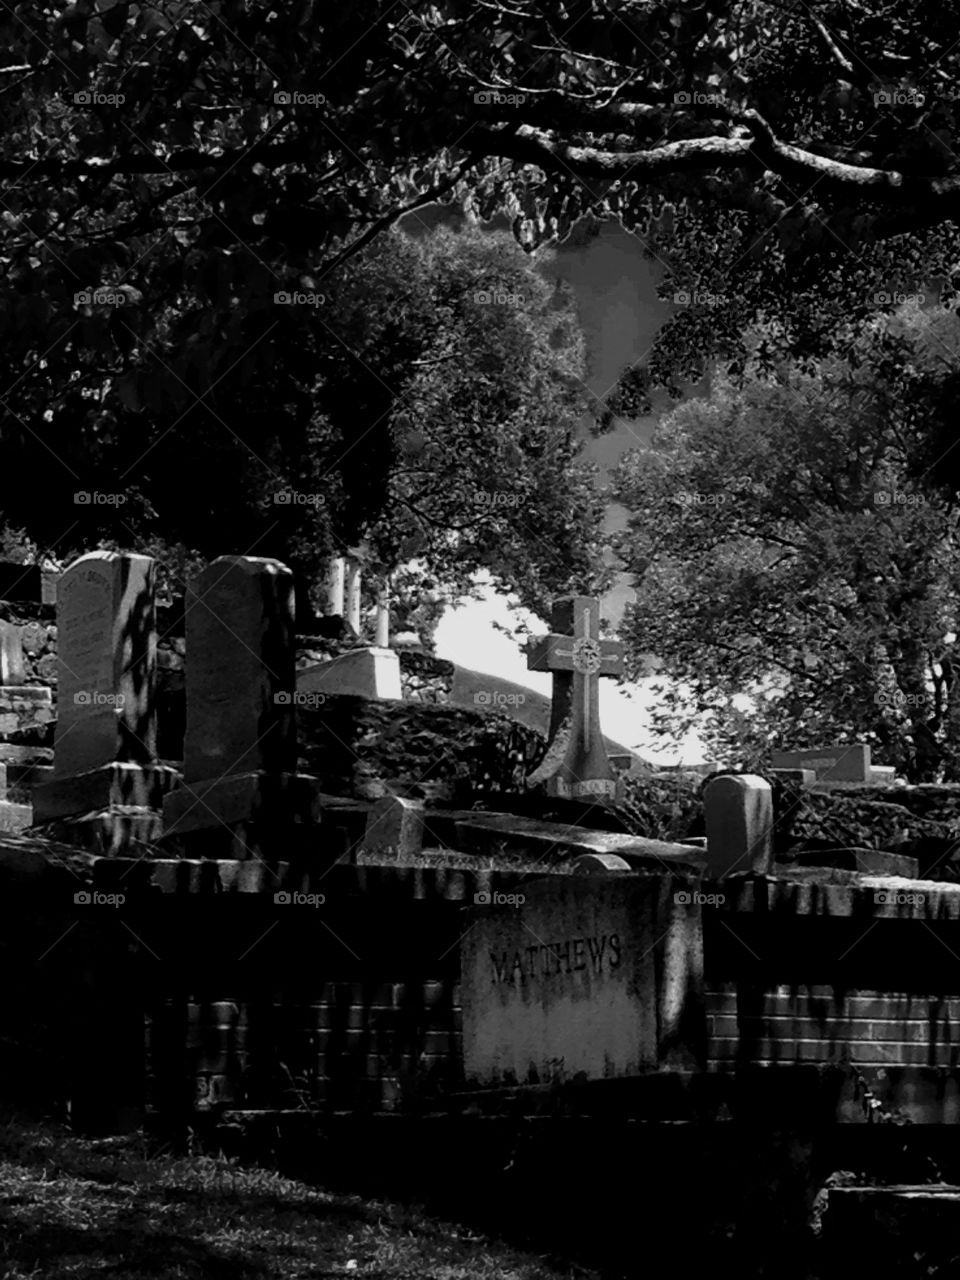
(198, 159)
(788, 543)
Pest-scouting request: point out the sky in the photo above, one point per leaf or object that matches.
(615, 288)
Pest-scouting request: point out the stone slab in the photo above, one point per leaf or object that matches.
(118, 784)
(876, 862)
(845, 763)
(282, 799)
(588, 978)
(11, 654)
(394, 829)
(15, 817)
(557, 841)
(358, 673)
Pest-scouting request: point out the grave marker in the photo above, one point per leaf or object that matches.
(849, 763)
(591, 977)
(104, 744)
(11, 655)
(576, 762)
(738, 811)
(240, 748)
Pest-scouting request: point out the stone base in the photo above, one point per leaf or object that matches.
(872, 862)
(112, 786)
(22, 706)
(285, 799)
(15, 817)
(358, 673)
(121, 831)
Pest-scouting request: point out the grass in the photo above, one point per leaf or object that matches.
(71, 1207)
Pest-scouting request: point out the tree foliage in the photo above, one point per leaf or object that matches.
(195, 160)
(797, 571)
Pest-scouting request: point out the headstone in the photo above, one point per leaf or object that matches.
(575, 763)
(105, 739)
(11, 655)
(738, 810)
(240, 747)
(351, 597)
(357, 673)
(394, 830)
(850, 763)
(882, 775)
(335, 585)
(588, 978)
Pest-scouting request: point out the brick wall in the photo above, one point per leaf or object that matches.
(823, 1024)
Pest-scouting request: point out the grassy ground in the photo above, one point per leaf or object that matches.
(76, 1208)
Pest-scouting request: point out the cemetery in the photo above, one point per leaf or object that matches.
(245, 909)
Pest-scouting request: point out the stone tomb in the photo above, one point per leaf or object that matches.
(370, 672)
(590, 977)
(240, 747)
(849, 763)
(104, 745)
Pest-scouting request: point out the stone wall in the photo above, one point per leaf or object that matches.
(424, 678)
(38, 630)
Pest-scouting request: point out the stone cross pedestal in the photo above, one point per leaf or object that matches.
(576, 763)
(104, 745)
(240, 787)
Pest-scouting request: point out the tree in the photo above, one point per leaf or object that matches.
(797, 574)
(427, 403)
(196, 160)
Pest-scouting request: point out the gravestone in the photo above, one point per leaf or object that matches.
(361, 673)
(11, 655)
(575, 763)
(394, 830)
(591, 977)
(104, 744)
(240, 746)
(738, 812)
(849, 763)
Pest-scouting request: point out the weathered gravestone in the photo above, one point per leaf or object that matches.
(590, 977)
(576, 762)
(830, 764)
(738, 812)
(104, 745)
(240, 746)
